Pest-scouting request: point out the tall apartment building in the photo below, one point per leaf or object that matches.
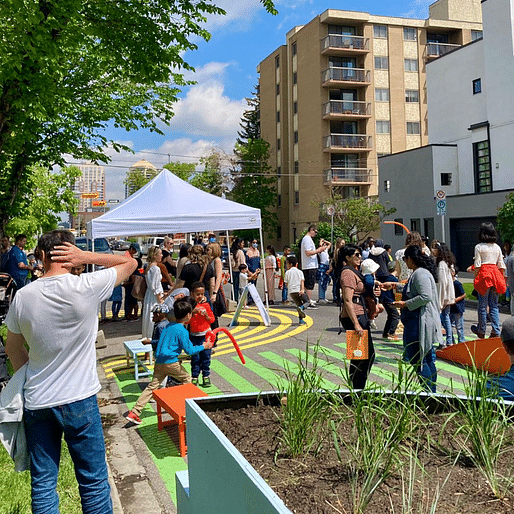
(148, 169)
(91, 181)
(346, 88)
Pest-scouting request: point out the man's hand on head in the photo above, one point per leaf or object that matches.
(69, 254)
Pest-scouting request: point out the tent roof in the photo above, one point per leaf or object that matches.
(167, 205)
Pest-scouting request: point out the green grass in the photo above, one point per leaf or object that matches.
(15, 487)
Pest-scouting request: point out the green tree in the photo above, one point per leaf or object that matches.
(183, 170)
(50, 193)
(505, 219)
(210, 179)
(71, 67)
(250, 121)
(136, 179)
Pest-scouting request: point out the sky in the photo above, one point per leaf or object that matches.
(208, 113)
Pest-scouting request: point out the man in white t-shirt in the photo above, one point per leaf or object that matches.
(309, 260)
(57, 316)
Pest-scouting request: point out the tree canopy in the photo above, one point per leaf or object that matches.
(505, 219)
(71, 67)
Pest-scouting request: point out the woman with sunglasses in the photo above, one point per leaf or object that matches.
(353, 310)
(253, 258)
(419, 309)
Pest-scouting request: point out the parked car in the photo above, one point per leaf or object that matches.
(149, 242)
(101, 244)
(225, 256)
(121, 245)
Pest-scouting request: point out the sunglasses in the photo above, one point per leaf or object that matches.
(356, 254)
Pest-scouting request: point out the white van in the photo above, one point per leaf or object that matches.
(148, 242)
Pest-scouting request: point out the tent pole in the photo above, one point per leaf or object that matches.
(230, 268)
(264, 270)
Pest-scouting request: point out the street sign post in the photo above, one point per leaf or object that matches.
(440, 198)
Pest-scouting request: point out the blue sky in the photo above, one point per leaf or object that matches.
(207, 115)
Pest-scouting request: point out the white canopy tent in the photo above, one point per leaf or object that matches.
(167, 205)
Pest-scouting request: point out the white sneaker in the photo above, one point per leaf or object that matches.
(322, 302)
(313, 303)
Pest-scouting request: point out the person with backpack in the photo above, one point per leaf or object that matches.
(353, 314)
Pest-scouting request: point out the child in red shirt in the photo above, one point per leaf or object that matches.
(199, 325)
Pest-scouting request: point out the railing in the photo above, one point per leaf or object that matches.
(339, 175)
(348, 141)
(347, 107)
(437, 49)
(346, 42)
(346, 75)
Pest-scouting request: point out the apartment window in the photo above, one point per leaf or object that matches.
(413, 127)
(380, 31)
(415, 225)
(278, 144)
(294, 49)
(295, 107)
(446, 179)
(296, 167)
(279, 231)
(278, 116)
(476, 34)
(295, 135)
(383, 127)
(411, 64)
(381, 63)
(387, 186)
(295, 77)
(477, 86)
(279, 201)
(278, 89)
(412, 96)
(297, 197)
(277, 61)
(409, 34)
(398, 231)
(382, 95)
(482, 167)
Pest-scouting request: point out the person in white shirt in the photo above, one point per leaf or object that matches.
(57, 316)
(296, 286)
(309, 256)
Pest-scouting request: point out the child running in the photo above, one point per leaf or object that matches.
(295, 282)
(174, 339)
(199, 326)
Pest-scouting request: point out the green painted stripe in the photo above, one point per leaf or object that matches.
(233, 378)
(293, 367)
(260, 370)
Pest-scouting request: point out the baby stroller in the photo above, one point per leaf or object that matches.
(7, 291)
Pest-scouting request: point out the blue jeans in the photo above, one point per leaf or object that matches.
(426, 370)
(284, 292)
(82, 428)
(458, 319)
(323, 280)
(447, 324)
(235, 280)
(200, 361)
(489, 299)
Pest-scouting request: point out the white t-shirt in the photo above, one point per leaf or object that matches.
(308, 262)
(243, 280)
(293, 278)
(324, 258)
(58, 317)
(488, 253)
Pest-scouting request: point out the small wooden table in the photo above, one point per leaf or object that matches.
(173, 401)
(135, 348)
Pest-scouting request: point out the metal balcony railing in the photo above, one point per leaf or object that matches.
(348, 141)
(347, 175)
(347, 107)
(346, 75)
(345, 42)
(434, 50)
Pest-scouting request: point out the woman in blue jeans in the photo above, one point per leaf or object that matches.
(420, 315)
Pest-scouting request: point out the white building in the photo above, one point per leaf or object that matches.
(148, 170)
(471, 121)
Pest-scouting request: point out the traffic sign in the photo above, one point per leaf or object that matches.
(89, 195)
(112, 200)
(441, 207)
(98, 203)
(440, 195)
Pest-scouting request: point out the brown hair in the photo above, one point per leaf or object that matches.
(197, 255)
(414, 239)
(215, 249)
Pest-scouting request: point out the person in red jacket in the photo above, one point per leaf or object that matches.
(199, 326)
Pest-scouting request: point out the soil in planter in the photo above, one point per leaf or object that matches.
(320, 484)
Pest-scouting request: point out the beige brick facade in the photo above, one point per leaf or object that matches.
(348, 86)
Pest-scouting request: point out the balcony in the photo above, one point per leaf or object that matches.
(337, 44)
(347, 110)
(435, 50)
(347, 143)
(355, 77)
(348, 176)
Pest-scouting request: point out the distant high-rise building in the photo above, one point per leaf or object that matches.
(346, 88)
(92, 181)
(148, 169)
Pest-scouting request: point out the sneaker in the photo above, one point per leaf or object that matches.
(302, 322)
(312, 306)
(392, 338)
(494, 334)
(474, 329)
(194, 381)
(313, 303)
(133, 418)
(322, 302)
(206, 382)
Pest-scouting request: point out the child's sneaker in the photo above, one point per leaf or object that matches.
(133, 418)
(206, 382)
(302, 322)
(194, 381)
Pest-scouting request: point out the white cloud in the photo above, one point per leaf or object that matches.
(418, 9)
